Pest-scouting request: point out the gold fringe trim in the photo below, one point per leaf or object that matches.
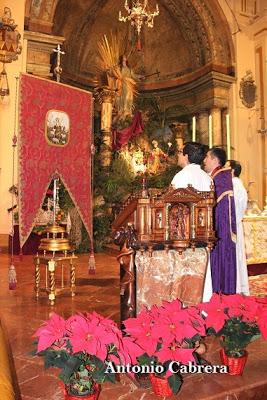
(221, 170)
(233, 235)
(227, 192)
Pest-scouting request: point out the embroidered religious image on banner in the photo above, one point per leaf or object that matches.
(57, 128)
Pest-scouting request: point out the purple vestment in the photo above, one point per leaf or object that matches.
(223, 256)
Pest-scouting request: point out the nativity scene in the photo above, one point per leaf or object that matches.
(133, 216)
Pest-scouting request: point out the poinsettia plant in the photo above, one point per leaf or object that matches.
(236, 319)
(82, 346)
(167, 334)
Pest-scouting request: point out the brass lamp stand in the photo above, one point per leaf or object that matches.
(55, 248)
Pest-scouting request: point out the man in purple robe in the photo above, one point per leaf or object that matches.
(223, 256)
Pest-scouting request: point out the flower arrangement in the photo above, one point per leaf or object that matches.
(90, 349)
(237, 320)
(167, 335)
(81, 347)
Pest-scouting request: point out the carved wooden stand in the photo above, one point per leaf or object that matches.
(127, 283)
(176, 219)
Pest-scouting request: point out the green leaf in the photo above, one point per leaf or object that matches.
(175, 382)
(70, 367)
(144, 359)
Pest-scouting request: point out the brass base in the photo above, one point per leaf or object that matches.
(49, 244)
(52, 242)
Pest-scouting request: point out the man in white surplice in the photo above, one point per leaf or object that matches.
(190, 159)
(241, 199)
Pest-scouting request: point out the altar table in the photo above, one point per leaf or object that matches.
(167, 275)
(255, 232)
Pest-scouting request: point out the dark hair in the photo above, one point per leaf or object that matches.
(220, 154)
(236, 167)
(196, 152)
(121, 60)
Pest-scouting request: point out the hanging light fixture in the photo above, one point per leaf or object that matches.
(10, 47)
(139, 14)
(4, 88)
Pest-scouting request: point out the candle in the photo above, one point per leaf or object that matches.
(210, 131)
(228, 138)
(54, 200)
(194, 129)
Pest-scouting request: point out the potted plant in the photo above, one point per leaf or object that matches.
(168, 336)
(237, 320)
(81, 347)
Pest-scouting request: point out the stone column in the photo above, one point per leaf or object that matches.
(106, 98)
(203, 127)
(216, 126)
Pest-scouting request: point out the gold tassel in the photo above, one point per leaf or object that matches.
(12, 277)
(92, 268)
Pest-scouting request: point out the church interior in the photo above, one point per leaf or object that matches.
(97, 101)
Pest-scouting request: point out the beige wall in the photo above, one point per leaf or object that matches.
(249, 33)
(249, 144)
(7, 120)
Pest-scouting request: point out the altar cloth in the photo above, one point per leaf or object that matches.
(167, 275)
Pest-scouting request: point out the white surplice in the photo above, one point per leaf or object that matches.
(241, 199)
(192, 174)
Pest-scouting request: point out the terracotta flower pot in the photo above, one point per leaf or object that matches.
(93, 396)
(236, 365)
(160, 386)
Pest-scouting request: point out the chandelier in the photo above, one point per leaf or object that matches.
(139, 14)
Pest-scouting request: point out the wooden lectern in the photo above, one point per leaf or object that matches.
(157, 219)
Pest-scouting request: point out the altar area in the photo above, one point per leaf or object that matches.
(255, 232)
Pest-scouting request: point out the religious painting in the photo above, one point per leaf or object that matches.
(57, 128)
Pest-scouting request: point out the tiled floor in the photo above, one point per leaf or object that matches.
(23, 314)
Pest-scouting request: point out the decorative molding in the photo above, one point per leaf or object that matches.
(247, 91)
(39, 50)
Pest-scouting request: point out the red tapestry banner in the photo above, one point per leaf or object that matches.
(55, 137)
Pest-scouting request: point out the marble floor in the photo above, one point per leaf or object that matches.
(22, 314)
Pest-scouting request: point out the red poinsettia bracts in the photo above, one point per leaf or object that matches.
(244, 307)
(261, 316)
(214, 312)
(52, 332)
(167, 333)
(89, 336)
(141, 330)
(128, 352)
(88, 342)
(175, 352)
